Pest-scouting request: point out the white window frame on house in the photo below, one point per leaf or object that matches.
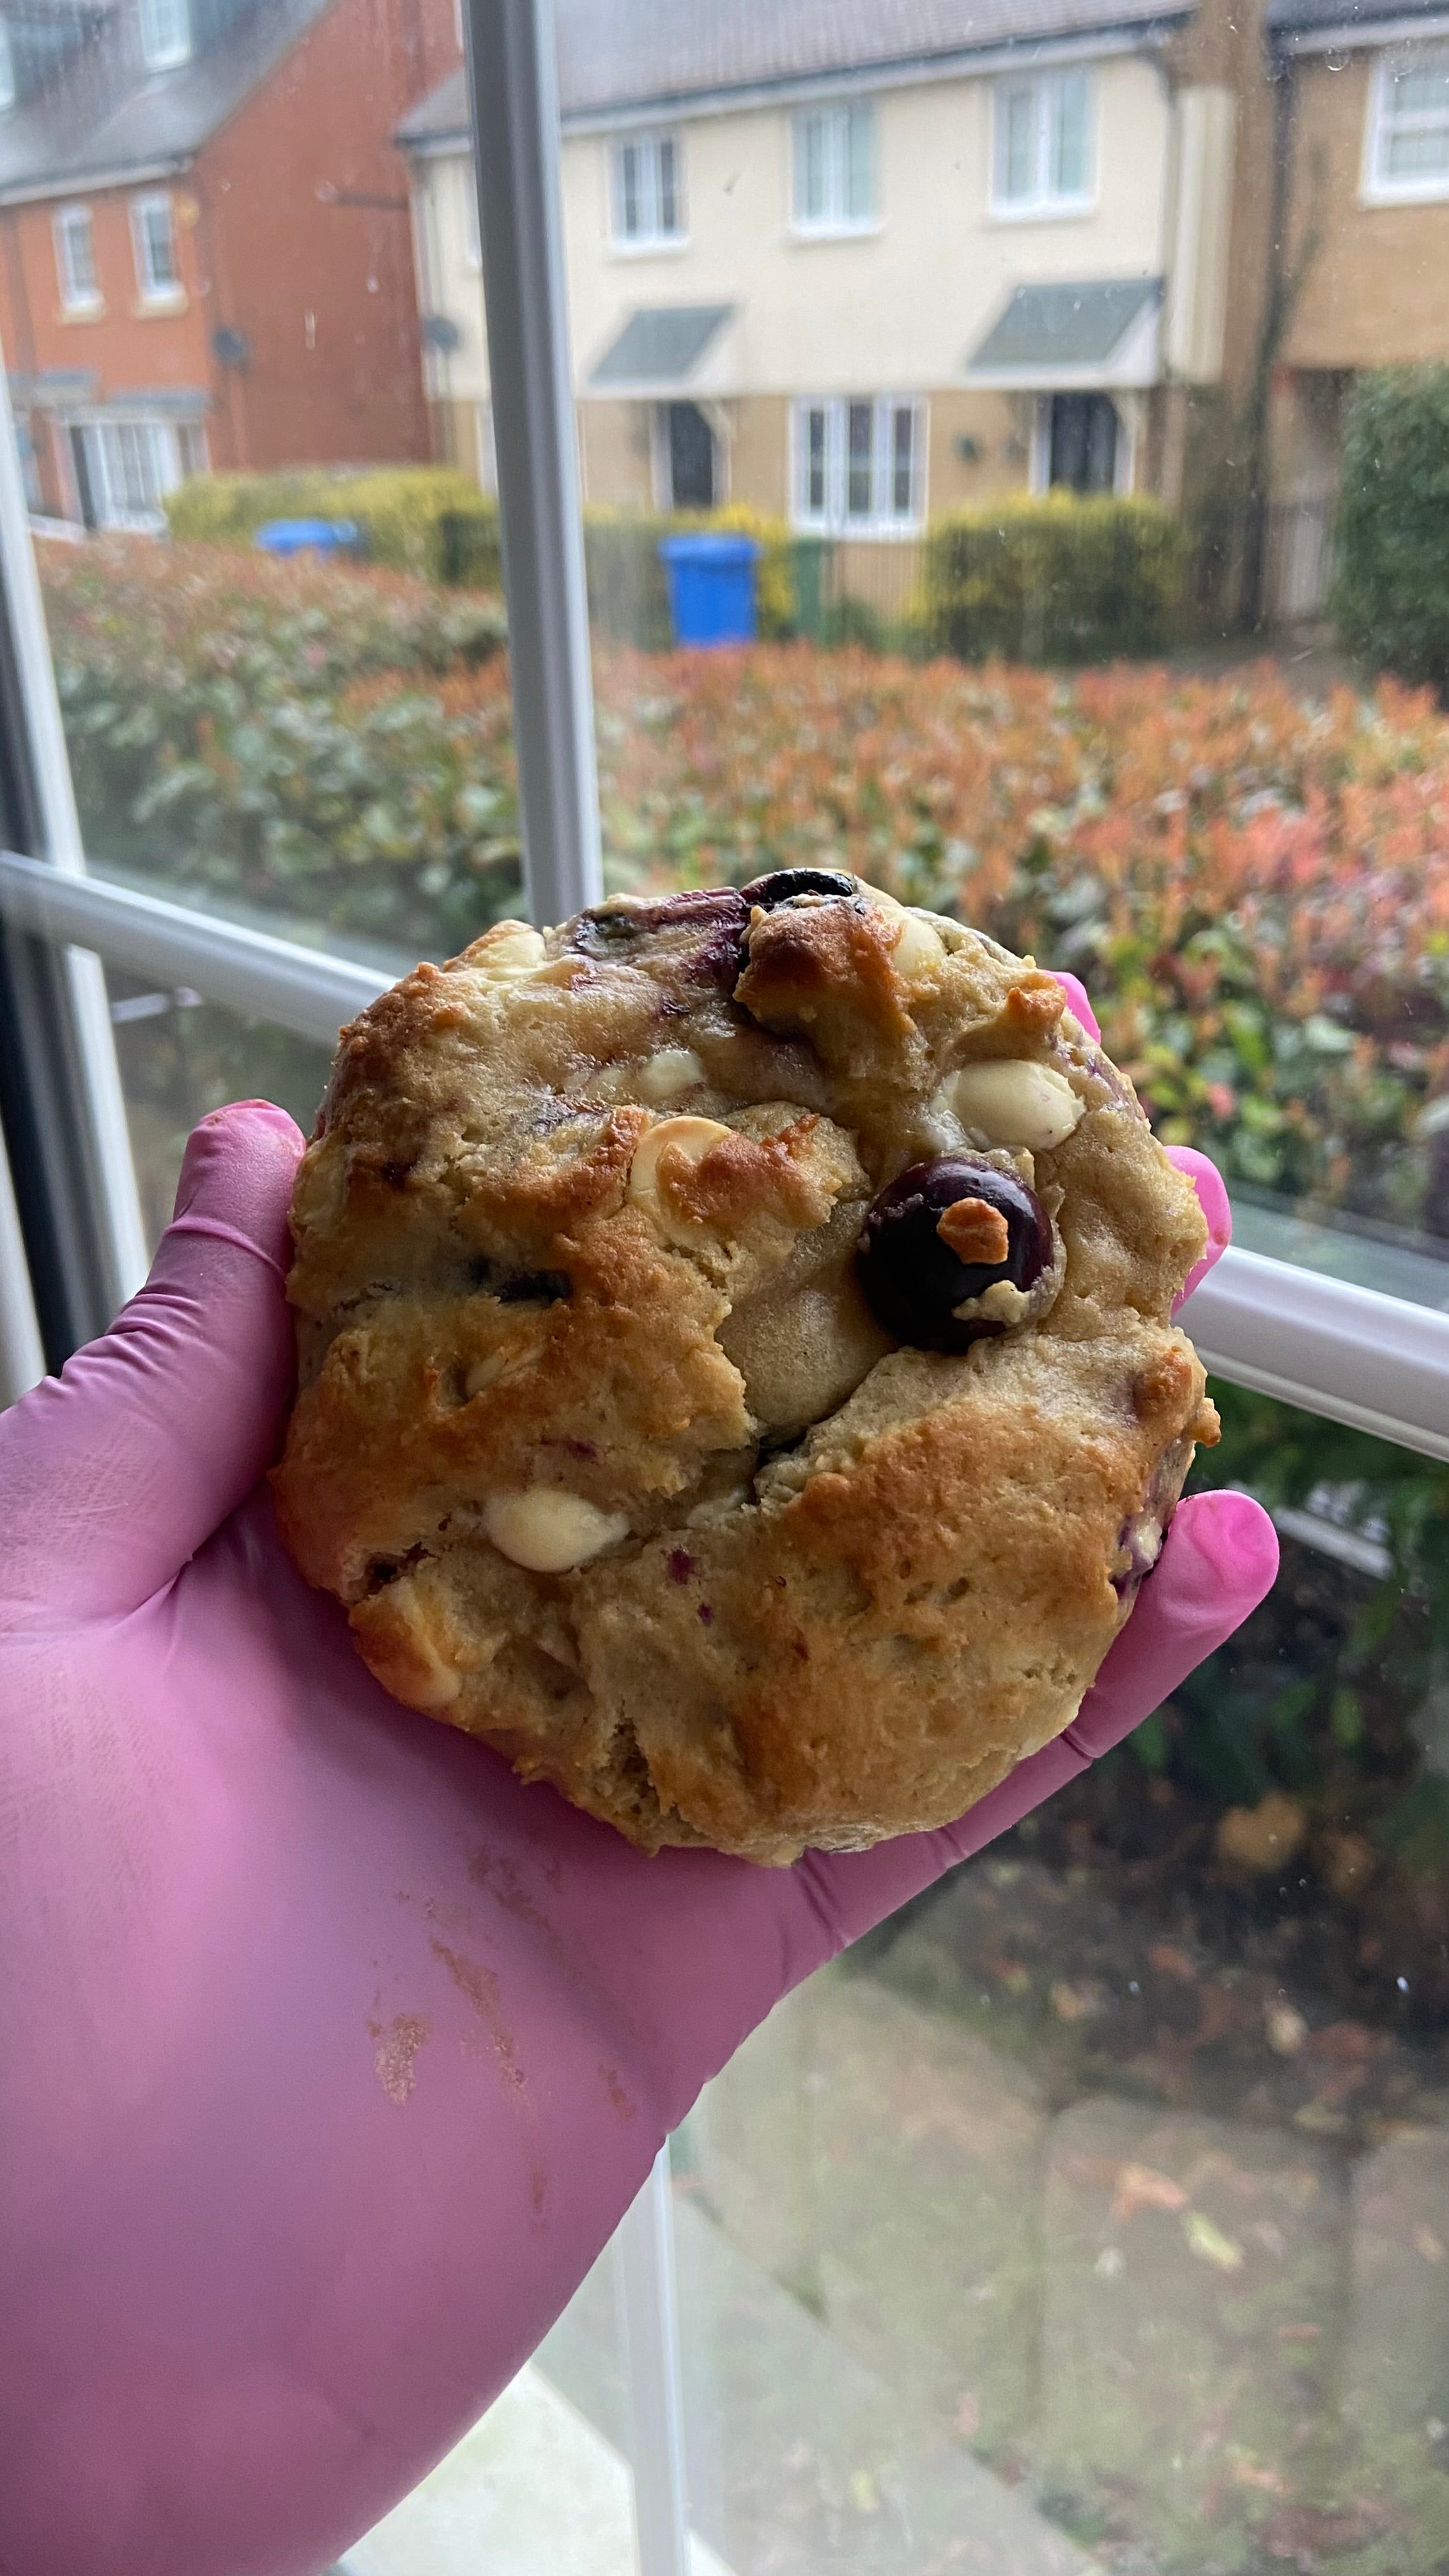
(157, 293)
(165, 34)
(7, 67)
(836, 493)
(829, 142)
(1039, 457)
(134, 459)
(1311, 1340)
(1039, 98)
(71, 225)
(472, 245)
(646, 190)
(1380, 185)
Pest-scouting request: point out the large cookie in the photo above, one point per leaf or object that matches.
(736, 1369)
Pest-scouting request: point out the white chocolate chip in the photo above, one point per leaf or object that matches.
(549, 1531)
(672, 1070)
(692, 1137)
(1013, 1102)
(919, 949)
(513, 951)
(482, 1373)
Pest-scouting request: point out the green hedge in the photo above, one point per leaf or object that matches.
(1391, 596)
(426, 519)
(1058, 579)
(431, 520)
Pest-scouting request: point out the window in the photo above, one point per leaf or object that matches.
(834, 173)
(1408, 154)
(165, 34)
(123, 469)
(153, 235)
(1043, 151)
(7, 66)
(858, 465)
(472, 246)
(75, 260)
(648, 190)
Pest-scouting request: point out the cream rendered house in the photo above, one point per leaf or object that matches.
(855, 268)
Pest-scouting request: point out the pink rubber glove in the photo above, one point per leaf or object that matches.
(331, 2055)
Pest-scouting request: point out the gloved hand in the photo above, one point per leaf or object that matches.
(329, 2055)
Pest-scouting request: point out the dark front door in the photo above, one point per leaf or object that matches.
(80, 457)
(1083, 453)
(691, 458)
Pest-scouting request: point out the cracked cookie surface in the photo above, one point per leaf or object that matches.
(736, 1375)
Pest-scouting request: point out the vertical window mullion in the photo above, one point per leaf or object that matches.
(512, 80)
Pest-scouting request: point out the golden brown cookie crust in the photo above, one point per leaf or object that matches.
(599, 1440)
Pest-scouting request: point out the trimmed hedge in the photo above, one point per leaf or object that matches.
(426, 519)
(1391, 596)
(431, 520)
(1056, 579)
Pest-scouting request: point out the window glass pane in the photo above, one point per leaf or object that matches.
(1069, 135)
(859, 136)
(1016, 127)
(811, 138)
(859, 482)
(1096, 2204)
(1422, 87)
(668, 197)
(1418, 151)
(629, 215)
(902, 452)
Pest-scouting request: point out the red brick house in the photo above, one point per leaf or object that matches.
(205, 250)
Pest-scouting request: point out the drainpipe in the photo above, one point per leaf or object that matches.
(1284, 92)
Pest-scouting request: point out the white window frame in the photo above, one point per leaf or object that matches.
(835, 517)
(1039, 457)
(1379, 186)
(156, 294)
(649, 144)
(165, 34)
(835, 220)
(7, 66)
(66, 223)
(1043, 201)
(1352, 1353)
(107, 434)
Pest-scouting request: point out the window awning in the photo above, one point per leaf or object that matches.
(659, 347)
(1099, 332)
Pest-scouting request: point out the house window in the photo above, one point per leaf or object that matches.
(1042, 158)
(75, 260)
(1081, 438)
(157, 275)
(125, 468)
(1409, 124)
(858, 465)
(648, 190)
(165, 34)
(834, 158)
(7, 67)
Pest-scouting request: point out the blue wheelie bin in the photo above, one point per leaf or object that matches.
(711, 581)
(308, 536)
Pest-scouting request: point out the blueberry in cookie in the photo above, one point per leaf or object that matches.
(736, 1376)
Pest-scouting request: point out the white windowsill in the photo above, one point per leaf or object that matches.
(1406, 192)
(865, 230)
(164, 299)
(648, 245)
(1041, 210)
(86, 308)
(870, 531)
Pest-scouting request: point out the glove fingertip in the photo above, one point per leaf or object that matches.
(238, 1169)
(1212, 1198)
(1076, 993)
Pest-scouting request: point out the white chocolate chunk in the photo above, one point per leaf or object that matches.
(513, 951)
(919, 949)
(672, 1070)
(549, 1531)
(1012, 1102)
(482, 1373)
(692, 1137)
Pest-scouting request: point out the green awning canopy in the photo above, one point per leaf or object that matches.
(1068, 329)
(661, 344)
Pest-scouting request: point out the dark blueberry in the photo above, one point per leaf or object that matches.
(605, 932)
(913, 1280)
(786, 883)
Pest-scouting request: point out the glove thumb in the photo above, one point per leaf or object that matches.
(113, 1474)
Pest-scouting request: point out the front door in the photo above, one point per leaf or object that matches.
(1082, 455)
(691, 457)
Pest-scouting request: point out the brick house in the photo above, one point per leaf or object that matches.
(205, 254)
(857, 267)
(1362, 178)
